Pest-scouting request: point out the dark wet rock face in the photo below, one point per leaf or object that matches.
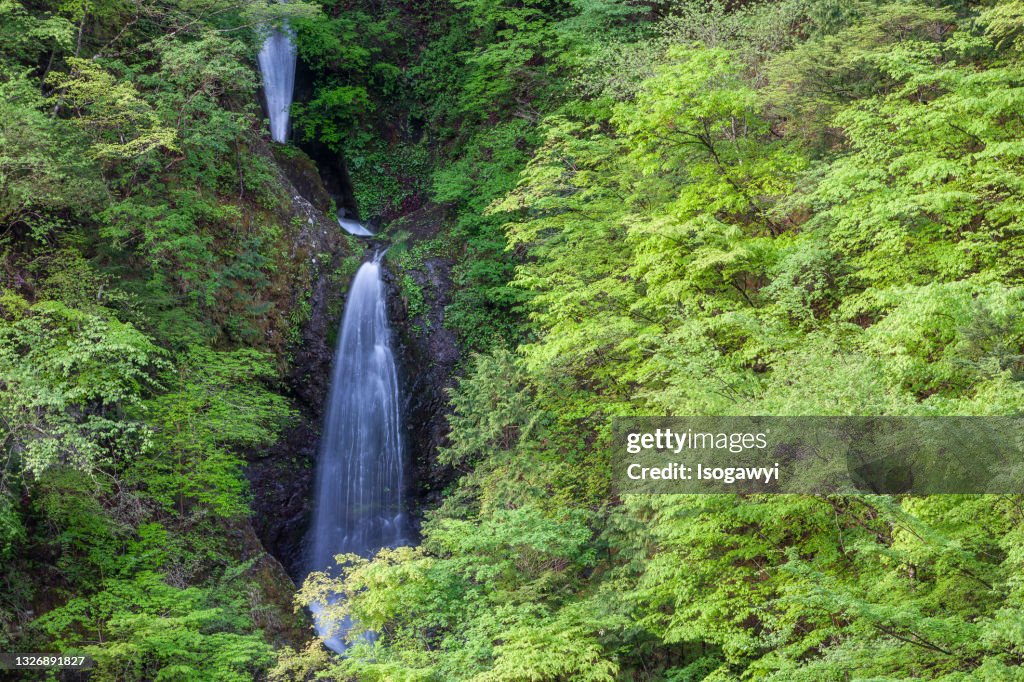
(282, 480)
(334, 175)
(428, 350)
(303, 176)
(434, 354)
(271, 594)
(281, 477)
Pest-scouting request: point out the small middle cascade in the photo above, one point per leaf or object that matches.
(353, 227)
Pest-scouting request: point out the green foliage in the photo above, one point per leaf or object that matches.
(484, 309)
(412, 296)
(874, 585)
(653, 208)
(350, 53)
(491, 409)
(149, 630)
(24, 35)
(332, 113)
(120, 124)
(1005, 23)
(145, 240)
(388, 181)
(68, 373)
(214, 400)
(44, 172)
(479, 601)
(795, 208)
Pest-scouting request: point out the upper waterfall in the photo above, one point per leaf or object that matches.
(277, 65)
(360, 474)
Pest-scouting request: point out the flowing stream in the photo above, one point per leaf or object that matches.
(277, 65)
(359, 489)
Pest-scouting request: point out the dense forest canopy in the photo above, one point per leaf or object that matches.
(689, 207)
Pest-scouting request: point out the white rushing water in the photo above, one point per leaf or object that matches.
(354, 227)
(359, 507)
(277, 65)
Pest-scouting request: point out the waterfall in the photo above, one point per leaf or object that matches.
(277, 65)
(360, 472)
(354, 227)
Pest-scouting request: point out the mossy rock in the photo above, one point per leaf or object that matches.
(303, 173)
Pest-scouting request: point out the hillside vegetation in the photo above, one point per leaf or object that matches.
(801, 207)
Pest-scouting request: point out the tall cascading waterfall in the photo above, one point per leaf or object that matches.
(360, 475)
(277, 65)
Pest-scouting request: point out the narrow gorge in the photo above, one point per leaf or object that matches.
(358, 504)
